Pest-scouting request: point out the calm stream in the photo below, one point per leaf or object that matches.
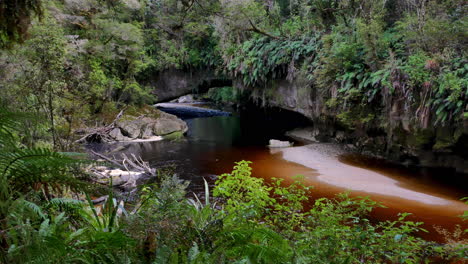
(213, 144)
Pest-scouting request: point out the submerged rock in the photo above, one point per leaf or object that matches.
(279, 144)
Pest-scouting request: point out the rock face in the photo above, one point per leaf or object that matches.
(147, 123)
(173, 83)
(400, 139)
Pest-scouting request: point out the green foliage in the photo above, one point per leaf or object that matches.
(38, 223)
(85, 58)
(451, 97)
(333, 231)
(246, 196)
(180, 34)
(251, 222)
(25, 169)
(222, 95)
(15, 17)
(357, 53)
(9, 124)
(434, 26)
(258, 60)
(415, 67)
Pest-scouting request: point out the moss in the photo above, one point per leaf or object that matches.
(346, 119)
(355, 118)
(445, 138)
(133, 112)
(420, 138)
(441, 144)
(226, 94)
(177, 135)
(108, 112)
(332, 103)
(145, 110)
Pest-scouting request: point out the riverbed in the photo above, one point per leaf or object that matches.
(213, 144)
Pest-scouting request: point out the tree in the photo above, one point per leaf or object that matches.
(15, 18)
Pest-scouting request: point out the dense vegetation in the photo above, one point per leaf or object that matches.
(67, 64)
(371, 61)
(47, 216)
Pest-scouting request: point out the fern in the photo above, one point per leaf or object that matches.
(27, 169)
(263, 59)
(9, 124)
(254, 245)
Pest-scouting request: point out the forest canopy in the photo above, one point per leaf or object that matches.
(361, 56)
(68, 65)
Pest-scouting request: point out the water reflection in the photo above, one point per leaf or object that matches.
(219, 131)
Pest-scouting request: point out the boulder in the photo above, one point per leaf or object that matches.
(116, 134)
(279, 144)
(303, 134)
(148, 123)
(186, 99)
(133, 126)
(167, 124)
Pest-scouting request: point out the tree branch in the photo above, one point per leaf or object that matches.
(259, 31)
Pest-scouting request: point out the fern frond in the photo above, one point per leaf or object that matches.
(33, 207)
(10, 123)
(68, 205)
(258, 244)
(25, 169)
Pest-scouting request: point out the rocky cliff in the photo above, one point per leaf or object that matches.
(173, 83)
(391, 134)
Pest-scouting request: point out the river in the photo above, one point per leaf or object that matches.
(213, 144)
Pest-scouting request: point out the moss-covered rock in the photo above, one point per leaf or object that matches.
(177, 135)
(147, 122)
(419, 139)
(445, 139)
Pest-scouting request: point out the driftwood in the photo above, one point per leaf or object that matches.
(113, 161)
(138, 163)
(101, 134)
(129, 164)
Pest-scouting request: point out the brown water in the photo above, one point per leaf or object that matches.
(213, 145)
(330, 173)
